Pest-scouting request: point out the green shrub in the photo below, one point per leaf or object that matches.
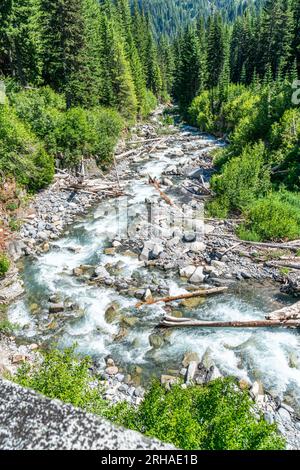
(149, 104)
(21, 153)
(200, 113)
(4, 264)
(106, 126)
(274, 217)
(92, 133)
(243, 178)
(66, 376)
(217, 416)
(7, 328)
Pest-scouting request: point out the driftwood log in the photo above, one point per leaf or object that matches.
(161, 193)
(189, 295)
(284, 317)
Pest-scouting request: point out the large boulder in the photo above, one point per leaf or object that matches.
(190, 357)
(187, 271)
(198, 277)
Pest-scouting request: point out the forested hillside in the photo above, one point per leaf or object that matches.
(239, 81)
(76, 73)
(169, 16)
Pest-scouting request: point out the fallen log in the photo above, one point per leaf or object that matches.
(188, 295)
(282, 264)
(162, 194)
(281, 246)
(230, 324)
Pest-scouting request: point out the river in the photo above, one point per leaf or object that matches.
(271, 356)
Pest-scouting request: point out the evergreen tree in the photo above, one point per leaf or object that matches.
(20, 41)
(62, 28)
(188, 73)
(215, 50)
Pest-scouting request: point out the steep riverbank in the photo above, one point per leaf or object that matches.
(84, 274)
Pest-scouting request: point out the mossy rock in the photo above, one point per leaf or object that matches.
(129, 321)
(112, 313)
(193, 302)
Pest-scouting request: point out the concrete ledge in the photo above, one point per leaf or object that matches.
(29, 421)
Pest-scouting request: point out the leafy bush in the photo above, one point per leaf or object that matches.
(21, 153)
(4, 264)
(200, 113)
(149, 103)
(66, 376)
(7, 328)
(243, 178)
(274, 217)
(41, 111)
(217, 416)
(106, 125)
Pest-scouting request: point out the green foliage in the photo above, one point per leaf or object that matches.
(200, 112)
(275, 217)
(7, 328)
(217, 416)
(243, 178)
(92, 133)
(4, 264)
(66, 376)
(149, 104)
(21, 153)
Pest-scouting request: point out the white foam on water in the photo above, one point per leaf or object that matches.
(261, 353)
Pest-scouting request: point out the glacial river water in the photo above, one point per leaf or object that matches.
(271, 356)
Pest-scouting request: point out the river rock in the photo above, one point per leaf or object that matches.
(112, 370)
(256, 389)
(56, 308)
(190, 357)
(198, 277)
(148, 295)
(192, 368)
(187, 271)
(156, 341)
(101, 273)
(155, 252)
(129, 321)
(197, 247)
(189, 237)
(11, 292)
(168, 380)
(112, 313)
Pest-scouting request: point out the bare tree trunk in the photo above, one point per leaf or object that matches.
(189, 295)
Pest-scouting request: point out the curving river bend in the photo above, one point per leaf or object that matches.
(271, 356)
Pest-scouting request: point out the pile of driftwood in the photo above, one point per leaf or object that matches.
(285, 317)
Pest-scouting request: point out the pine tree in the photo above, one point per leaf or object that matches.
(119, 86)
(62, 27)
(19, 41)
(215, 50)
(188, 74)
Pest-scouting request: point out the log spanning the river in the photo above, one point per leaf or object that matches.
(285, 317)
(229, 324)
(189, 295)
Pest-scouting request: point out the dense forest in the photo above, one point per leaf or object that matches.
(240, 81)
(169, 16)
(76, 73)
(72, 89)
